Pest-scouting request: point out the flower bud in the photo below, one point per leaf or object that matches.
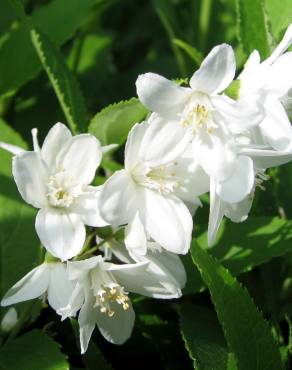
(9, 320)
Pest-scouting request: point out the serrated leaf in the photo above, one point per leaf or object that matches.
(247, 333)
(18, 60)
(252, 27)
(241, 247)
(19, 245)
(32, 351)
(204, 339)
(113, 123)
(64, 83)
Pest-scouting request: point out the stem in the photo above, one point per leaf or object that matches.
(93, 249)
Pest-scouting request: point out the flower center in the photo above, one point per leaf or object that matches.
(161, 178)
(108, 295)
(197, 117)
(61, 191)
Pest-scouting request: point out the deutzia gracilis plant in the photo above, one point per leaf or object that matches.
(123, 233)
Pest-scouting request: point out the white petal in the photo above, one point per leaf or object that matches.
(168, 265)
(238, 212)
(78, 269)
(279, 80)
(216, 72)
(163, 141)
(60, 287)
(80, 157)
(13, 149)
(55, 140)
(31, 176)
(276, 126)
(240, 115)
(87, 318)
(240, 183)
(31, 286)
(167, 220)
(119, 199)
(118, 328)
(192, 179)
(109, 148)
(159, 274)
(35, 140)
(264, 158)
(216, 213)
(167, 269)
(133, 144)
(281, 48)
(120, 251)
(145, 282)
(87, 205)
(75, 302)
(160, 94)
(216, 157)
(135, 237)
(250, 65)
(62, 234)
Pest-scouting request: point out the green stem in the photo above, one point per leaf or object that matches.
(89, 252)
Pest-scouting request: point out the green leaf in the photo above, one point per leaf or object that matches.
(241, 247)
(33, 351)
(247, 333)
(192, 52)
(18, 60)
(163, 336)
(19, 245)
(113, 123)
(204, 339)
(279, 16)
(252, 27)
(64, 83)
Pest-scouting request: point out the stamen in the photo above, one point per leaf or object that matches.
(108, 295)
(61, 193)
(196, 117)
(261, 176)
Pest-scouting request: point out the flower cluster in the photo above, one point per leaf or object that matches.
(195, 140)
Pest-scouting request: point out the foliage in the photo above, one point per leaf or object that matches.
(77, 62)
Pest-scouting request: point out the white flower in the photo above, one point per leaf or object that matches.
(9, 320)
(201, 114)
(50, 278)
(56, 179)
(152, 183)
(162, 264)
(224, 200)
(101, 295)
(271, 80)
